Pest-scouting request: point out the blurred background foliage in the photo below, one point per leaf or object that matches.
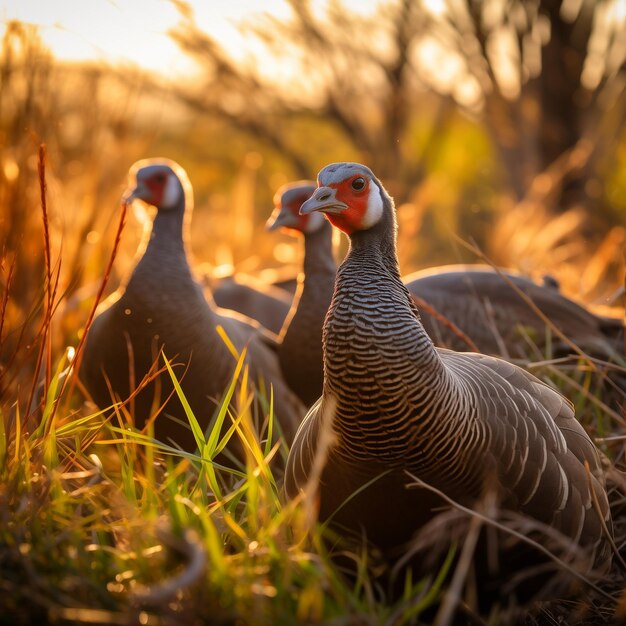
(499, 122)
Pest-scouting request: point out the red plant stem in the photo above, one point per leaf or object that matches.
(41, 168)
(7, 290)
(43, 187)
(45, 347)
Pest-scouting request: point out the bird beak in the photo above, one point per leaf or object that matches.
(279, 218)
(325, 200)
(139, 192)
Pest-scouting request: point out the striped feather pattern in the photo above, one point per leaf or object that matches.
(463, 422)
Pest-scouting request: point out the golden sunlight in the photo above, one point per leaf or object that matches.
(291, 289)
(135, 32)
(436, 7)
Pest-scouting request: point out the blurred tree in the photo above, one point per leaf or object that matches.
(548, 77)
(323, 66)
(24, 85)
(545, 76)
(83, 116)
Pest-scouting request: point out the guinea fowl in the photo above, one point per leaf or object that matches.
(300, 339)
(395, 410)
(163, 308)
(464, 307)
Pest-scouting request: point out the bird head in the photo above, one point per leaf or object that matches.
(349, 195)
(287, 202)
(158, 182)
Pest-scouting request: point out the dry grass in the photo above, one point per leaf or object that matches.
(103, 525)
(106, 525)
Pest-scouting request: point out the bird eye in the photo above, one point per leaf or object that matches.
(159, 178)
(358, 184)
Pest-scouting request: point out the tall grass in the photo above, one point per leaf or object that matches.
(102, 524)
(105, 525)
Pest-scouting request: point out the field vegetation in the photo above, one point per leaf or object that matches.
(101, 524)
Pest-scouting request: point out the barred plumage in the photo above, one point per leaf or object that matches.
(465, 423)
(467, 307)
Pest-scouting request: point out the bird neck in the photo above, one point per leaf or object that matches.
(168, 230)
(378, 243)
(315, 288)
(318, 253)
(164, 258)
(381, 370)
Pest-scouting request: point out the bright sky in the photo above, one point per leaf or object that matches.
(132, 31)
(135, 31)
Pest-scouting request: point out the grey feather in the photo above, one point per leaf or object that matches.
(463, 422)
(162, 308)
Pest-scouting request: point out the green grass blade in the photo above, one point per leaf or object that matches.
(270, 425)
(51, 398)
(197, 431)
(430, 597)
(214, 436)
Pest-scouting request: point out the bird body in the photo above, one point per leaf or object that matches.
(162, 308)
(394, 406)
(464, 306)
(492, 308)
(266, 304)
